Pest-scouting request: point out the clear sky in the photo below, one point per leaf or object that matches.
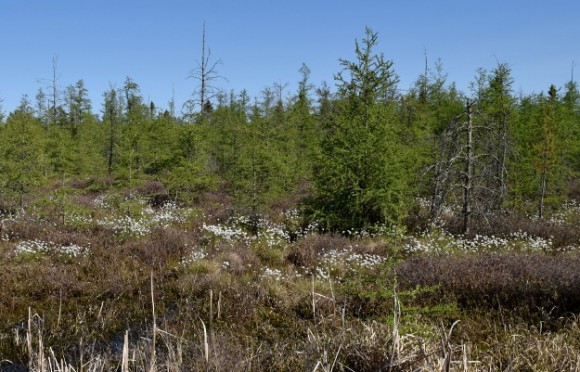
(157, 43)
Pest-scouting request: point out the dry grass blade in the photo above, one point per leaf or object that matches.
(396, 347)
(153, 366)
(125, 358)
(205, 343)
(447, 348)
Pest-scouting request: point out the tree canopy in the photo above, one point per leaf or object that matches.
(357, 154)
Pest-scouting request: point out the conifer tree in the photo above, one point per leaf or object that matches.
(523, 180)
(159, 145)
(225, 133)
(546, 148)
(130, 144)
(496, 113)
(22, 160)
(433, 107)
(79, 105)
(303, 130)
(360, 178)
(544, 142)
(570, 116)
(190, 172)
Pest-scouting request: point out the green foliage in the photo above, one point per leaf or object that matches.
(429, 112)
(496, 115)
(545, 139)
(362, 176)
(360, 156)
(353, 158)
(258, 167)
(189, 173)
(22, 161)
(570, 128)
(160, 143)
(254, 150)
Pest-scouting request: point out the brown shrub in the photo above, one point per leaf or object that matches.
(8, 207)
(155, 192)
(86, 199)
(80, 183)
(217, 206)
(161, 246)
(27, 228)
(307, 252)
(561, 235)
(239, 258)
(534, 282)
(574, 190)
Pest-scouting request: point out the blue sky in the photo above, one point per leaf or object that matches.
(157, 43)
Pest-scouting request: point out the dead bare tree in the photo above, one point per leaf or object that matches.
(461, 169)
(54, 95)
(469, 169)
(206, 73)
(442, 170)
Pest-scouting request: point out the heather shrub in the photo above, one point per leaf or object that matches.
(161, 246)
(81, 183)
(531, 282)
(307, 252)
(373, 299)
(562, 234)
(154, 192)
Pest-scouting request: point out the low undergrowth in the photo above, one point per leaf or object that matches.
(129, 285)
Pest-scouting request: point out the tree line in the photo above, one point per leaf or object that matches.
(356, 155)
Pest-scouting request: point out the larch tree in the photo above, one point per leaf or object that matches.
(304, 128)
(130, 144)
(78, 104)
(112, 112)
(496, 112)
(79, 119)
(547, 147)
(22, 159)
(570, 133)
(225, 133)
(523, 175)
(360, 177)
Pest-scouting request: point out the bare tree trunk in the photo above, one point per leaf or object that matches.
(54, 93)
(436, 196)
(112, 116)
(468, 184)
(543, 187)
(206, 73)
(111, 148)
(502, 167)
(440, 177)
(203, 72)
